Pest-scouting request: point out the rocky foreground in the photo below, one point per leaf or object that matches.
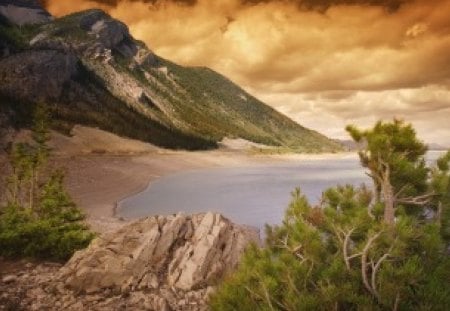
(157, 263)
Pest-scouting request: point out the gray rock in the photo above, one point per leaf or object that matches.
(110, 34)
(145, 58)
(22, 12)
(90, 17)
(177, 257)
(42, 74)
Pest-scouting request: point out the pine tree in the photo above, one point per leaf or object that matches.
(395, 158)
(440, 183)
(348, 253)
(40, 219)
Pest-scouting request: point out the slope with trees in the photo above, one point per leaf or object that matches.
(39, 219)
(101, 76)
(358, 249)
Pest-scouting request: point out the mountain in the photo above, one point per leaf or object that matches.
(437, 147)
(21, 12)
(349, 144)
(91, 71)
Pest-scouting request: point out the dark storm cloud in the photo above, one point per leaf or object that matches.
(323, 5)
(116, 2)
(320, 5)
(271, 45)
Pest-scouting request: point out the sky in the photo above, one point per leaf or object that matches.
(324, 63)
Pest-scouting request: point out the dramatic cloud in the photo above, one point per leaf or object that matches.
(320, 5)
(315, 60)
(116, 2)
(428, 108)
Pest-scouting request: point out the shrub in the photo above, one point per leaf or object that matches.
(336, 257)
(40, 220)
(357, 250)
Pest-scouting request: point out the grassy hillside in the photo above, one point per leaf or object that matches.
(122, 87)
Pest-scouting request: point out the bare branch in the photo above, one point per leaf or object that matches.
(292, 284)
(345, 248)
(355, 255)
(376, 177)
(260, 297)
(374, 274)
(402, 189)
(295, 250)
(397, 302)
(364, 262)
(267, 296)
(338, 232)
(298, 248)
(420, 200)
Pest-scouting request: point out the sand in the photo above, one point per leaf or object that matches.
(102, 168)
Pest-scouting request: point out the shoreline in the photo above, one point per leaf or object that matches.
(98, 183)
(103, 169)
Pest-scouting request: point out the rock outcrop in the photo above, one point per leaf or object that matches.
(182, 252)
(157, 263)
(21, 12)
(43, 74)
(121, 86)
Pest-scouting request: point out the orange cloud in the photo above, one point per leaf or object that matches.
(378, 49)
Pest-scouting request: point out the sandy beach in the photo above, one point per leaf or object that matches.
(102, 168)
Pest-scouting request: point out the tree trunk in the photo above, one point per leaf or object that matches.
(388, 198)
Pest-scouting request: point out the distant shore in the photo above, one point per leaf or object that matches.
(103, 169)
(98, 182)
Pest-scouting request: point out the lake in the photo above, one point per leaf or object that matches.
(253, 195)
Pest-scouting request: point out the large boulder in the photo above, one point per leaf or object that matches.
(185, 253)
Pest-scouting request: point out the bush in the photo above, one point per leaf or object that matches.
(53, 231)
(40, 220)
(357, 250)
(336, 257)
(39, 238)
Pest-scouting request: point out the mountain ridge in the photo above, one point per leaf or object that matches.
(93, 72)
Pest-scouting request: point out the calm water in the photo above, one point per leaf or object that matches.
(247, 195)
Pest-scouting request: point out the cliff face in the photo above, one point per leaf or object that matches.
(93, 72)
(157, 263)
(22, 12)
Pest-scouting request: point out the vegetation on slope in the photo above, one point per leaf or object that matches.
(224, 109)
(180, 107)
(348, 253)
(39, 219)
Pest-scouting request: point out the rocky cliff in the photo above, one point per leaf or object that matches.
(157, 263)
(22, 12)
(91, 71)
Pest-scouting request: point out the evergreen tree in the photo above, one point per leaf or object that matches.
(39, 219)
(440, 183)
(349, 252)
(395, 158)
(336, 257)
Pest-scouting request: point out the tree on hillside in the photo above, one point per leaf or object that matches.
(395, 158)
(440, 183)
(346, 253)
(39, 218)
(27, 159)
